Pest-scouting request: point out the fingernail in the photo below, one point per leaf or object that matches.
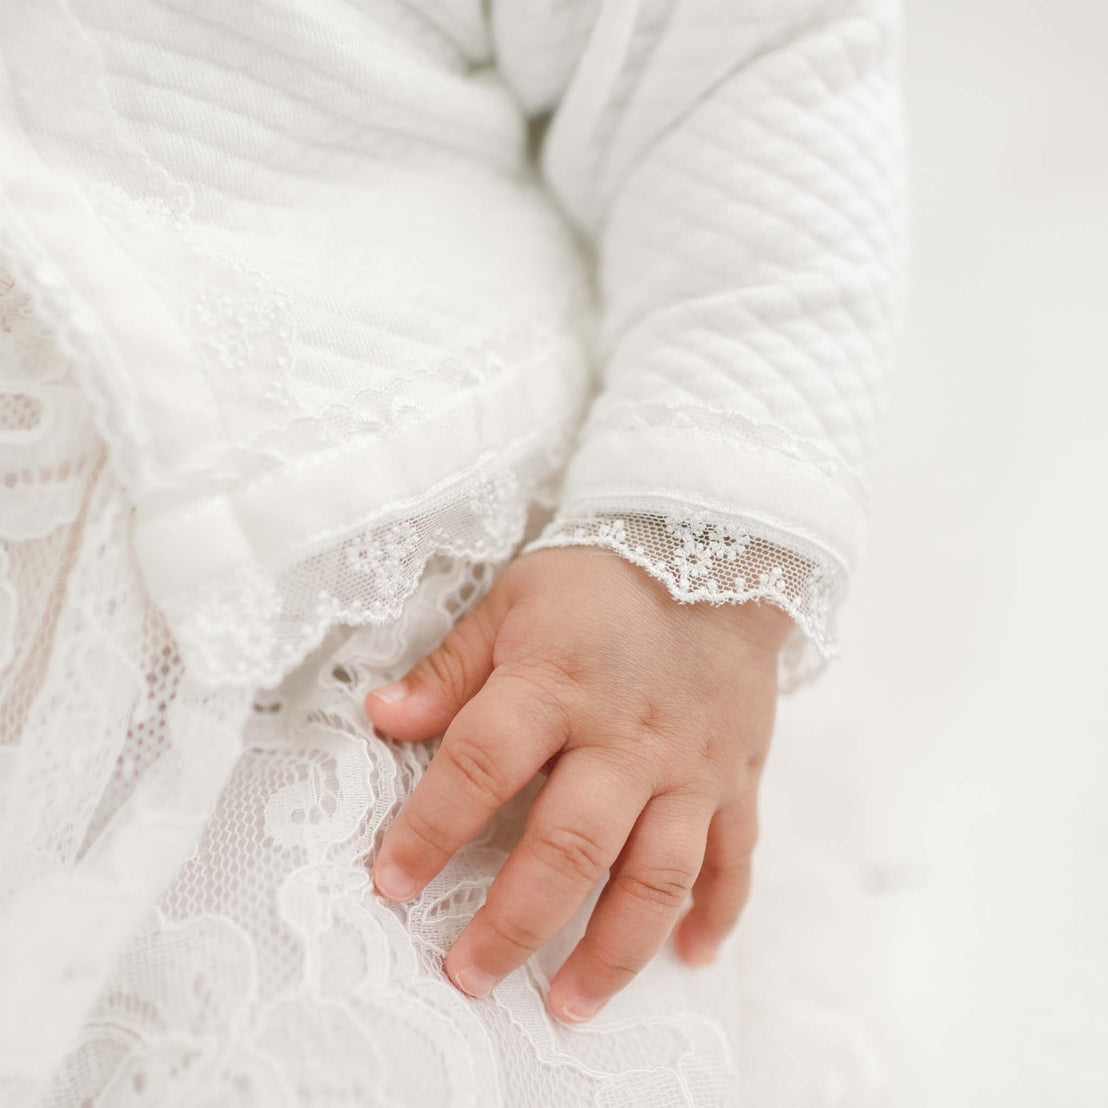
(395, 882)
(581, 1008)
(390, 694)
(474, 981)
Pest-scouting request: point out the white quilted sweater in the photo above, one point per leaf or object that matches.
(291, 245)
(300, 300)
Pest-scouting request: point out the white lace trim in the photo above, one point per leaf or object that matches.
(256, 623)
(705, 558)
(263, 960)
(251, 623)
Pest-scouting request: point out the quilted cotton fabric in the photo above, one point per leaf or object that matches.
(737, 167)
(290, 244)
(310, 315)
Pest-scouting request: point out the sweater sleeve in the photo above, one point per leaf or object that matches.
(735, 167)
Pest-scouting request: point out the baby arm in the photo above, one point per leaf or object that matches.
(652, 719)
(736, 169)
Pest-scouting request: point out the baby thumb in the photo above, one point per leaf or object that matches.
(423, 703)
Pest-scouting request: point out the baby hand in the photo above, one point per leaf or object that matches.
(653, 719)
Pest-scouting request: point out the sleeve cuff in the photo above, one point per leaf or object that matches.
(703, 558)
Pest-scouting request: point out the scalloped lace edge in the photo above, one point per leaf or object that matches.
(704, 558)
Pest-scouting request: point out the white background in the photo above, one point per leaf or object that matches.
(971, 699)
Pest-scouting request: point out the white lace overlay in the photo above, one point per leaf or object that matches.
(309, 341)
(269, 973)
(255, 623)
(263, 970)
(185, 909)
(704, 558)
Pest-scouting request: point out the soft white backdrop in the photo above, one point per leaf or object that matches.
(970, 704)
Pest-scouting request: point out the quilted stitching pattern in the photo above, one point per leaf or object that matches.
(739, 171)
(330, 213)
(304, 278)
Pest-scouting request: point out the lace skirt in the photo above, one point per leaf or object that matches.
(269, 972)
(266, 972)
(186, 914)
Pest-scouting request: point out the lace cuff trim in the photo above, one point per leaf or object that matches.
(704, 558)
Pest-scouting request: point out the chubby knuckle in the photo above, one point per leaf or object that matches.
(664, 748)
(618, 963)
(512, 932)
(426, 831)
(705, 746)
(651, 720)
(552, 670)
(477, 772)
(449, 667)
(569, 852)
(754, 762)
(697, 791)
(540, 702)
(568, 673)
(658, 887)
(649, 724)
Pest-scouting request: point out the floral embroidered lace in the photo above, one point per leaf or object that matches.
(310, 341)
(710, 560)
(184, 894)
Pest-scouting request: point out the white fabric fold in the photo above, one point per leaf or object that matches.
(308, 312)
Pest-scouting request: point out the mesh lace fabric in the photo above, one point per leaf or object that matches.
(187, 915)
(267, 972)
(185, 895)
(703, 557)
